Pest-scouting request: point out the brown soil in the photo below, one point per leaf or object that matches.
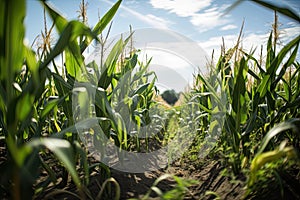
(209, 177)
(208, 172)
(212, 184)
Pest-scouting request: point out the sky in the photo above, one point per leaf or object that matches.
(203, 22)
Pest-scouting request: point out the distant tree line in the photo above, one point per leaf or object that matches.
(170, 96)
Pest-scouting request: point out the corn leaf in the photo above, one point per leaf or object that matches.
(288, 12)
(24, 106)
(63, 152)
(50, 105)
(60, 21)
(283, 10)
(290, 125)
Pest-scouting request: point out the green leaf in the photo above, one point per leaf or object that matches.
(60, 21)
(83, 161)
(270, 53)
(80, 126)
(289, 62)
(24, 106)
(283, 10)
(282, 127)
(62, 86)
(63, 151)
(50, 105)
(239, 88)
(261, 70)
(67, 38)
(288, 12)
(292, 104)
(252, 73)
(210, 88)
(32, 63)
(275, 62)
(264, 86)
(19, 154)
(72, 64)
(287, 91)
(11, 42)
(109, 67)
(142, 89)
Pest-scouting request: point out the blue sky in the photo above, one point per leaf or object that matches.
(198, 19)
(203, 21)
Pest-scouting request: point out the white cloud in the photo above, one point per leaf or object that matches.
(152, 20)
(254, 40)
(250, 41)
(292, 24)
(228, 27)
(214, 43)
(182, 8)
(157, 22)
(203, 14)
(290, 32)
(131, 2)
(208, 20)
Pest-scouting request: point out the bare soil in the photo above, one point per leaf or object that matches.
(208, 175)
(212, 182)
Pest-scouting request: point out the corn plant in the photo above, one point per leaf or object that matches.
(25, 101)
(281, 157)
(261, 157)
(251, 108)
(122, 94)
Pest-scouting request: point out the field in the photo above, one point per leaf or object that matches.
(76, 130)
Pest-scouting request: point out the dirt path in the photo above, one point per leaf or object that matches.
(209, 177)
